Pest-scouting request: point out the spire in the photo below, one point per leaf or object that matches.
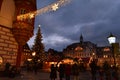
(81, 39)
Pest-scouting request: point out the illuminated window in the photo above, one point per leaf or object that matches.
(106, 49)
(78, 48)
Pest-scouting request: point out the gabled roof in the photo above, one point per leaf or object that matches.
(84, 44)
(26, 46)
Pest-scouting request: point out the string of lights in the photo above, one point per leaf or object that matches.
(52, 7)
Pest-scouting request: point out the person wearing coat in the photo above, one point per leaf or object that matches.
(67, 71)
(53, 72)
(61, 71)
(93, 66)
(75, 71)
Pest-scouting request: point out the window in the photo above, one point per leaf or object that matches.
(22, 16)
(22, 11)
(78, 48)
(106, 49)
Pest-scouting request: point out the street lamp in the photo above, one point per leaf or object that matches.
(33, 54)
(34, 57)
(112, 41)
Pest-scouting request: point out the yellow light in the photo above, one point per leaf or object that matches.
(52, 7)
(31, 15)
(29, 59)
(93, 54)
(33, 54)
(55, 7)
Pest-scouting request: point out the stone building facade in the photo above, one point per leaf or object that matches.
(83, 50)
(14, 33)
(8, 45)
(87, 51)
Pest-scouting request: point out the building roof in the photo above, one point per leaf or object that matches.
(83, 45)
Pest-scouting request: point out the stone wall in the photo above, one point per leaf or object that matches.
(8, 46)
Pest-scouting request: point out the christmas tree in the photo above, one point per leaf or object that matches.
(38, 46)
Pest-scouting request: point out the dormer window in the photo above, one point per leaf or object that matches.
(106, 49)
(78, 48)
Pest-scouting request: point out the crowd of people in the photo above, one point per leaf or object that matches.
(10, 70)
(65, 71)
(104, 72)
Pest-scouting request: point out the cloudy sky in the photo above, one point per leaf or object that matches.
(94, 19)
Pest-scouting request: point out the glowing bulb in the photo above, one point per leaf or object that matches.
(33, 54)
(55, 7)
(39, 25)
(31, 15)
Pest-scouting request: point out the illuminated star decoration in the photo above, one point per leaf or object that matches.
(55, 7)
(52, 7)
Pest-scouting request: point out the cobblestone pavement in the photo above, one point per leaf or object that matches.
(44, 76)
(41, 76)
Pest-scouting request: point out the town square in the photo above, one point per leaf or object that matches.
(59, 40)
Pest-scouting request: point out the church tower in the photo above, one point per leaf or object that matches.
(81, 39)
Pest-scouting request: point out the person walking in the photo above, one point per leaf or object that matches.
(53, 72)
(101, 73)
(35, 68)
(61, 71)
(75, 71)
(93, 66)
(115, 74)
(106, 69)
(67, 71)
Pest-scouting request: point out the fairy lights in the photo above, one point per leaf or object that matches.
(52, 7)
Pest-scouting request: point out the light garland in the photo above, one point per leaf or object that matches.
(52, 7)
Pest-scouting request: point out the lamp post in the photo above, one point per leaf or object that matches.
(33, 54)
(34, 57)
(112, 41)
(93, 55)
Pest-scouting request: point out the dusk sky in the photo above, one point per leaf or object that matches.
(94, 19)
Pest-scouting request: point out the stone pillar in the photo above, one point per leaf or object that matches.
(23, 24)
(22, 32)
